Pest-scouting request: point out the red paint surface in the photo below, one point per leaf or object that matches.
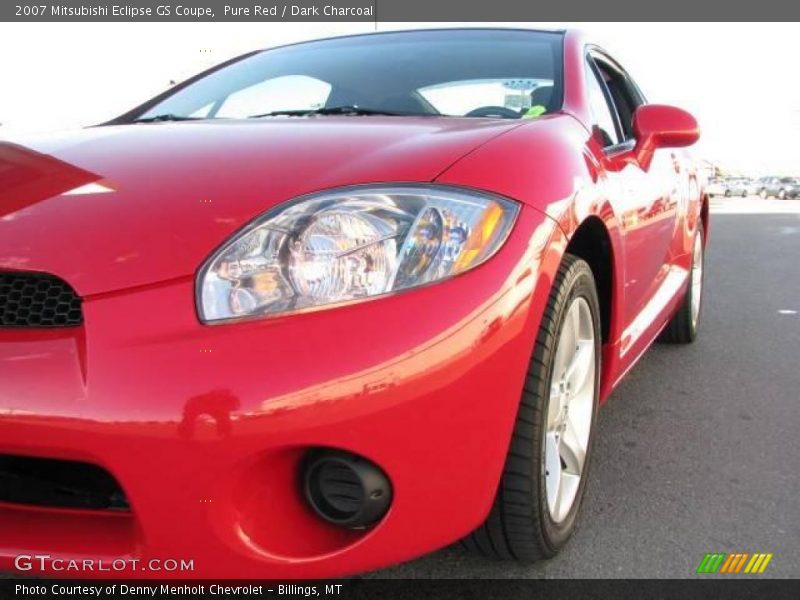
(204, 426)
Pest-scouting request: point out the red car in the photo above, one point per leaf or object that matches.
(334, 305)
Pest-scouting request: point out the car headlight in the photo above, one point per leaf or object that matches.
(351, 244)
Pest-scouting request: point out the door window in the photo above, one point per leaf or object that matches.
(605, 120)
(622, 91)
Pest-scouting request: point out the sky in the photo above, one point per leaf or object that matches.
(739, 79)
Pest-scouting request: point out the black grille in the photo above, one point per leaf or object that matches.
(37, 300)
(58, 484)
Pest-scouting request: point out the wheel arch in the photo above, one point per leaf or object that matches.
(591, 242)
(704, 216)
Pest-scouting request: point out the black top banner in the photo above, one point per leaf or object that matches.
(396, 10)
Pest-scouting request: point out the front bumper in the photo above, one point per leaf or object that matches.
(205, 426)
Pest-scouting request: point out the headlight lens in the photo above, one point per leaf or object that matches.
(351, 244)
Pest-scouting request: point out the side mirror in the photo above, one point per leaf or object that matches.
(660, 126)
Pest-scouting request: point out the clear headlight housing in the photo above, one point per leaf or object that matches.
(351, 244)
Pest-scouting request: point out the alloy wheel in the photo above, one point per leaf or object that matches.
(570, 409)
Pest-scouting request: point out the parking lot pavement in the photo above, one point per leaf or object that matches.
(753, 205)
(697, 451)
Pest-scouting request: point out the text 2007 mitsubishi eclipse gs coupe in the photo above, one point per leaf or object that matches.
(333, 305)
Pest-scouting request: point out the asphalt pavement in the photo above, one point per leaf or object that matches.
(698, 450)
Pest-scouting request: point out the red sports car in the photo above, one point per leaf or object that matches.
(334, 305)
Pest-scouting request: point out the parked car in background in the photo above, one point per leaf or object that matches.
(716, 187)
(777, 187)
(736, 186)
(732, 186)
(789, 188)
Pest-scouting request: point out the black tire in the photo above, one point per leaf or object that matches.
(519, 525)
(682, 329)
(727, 193)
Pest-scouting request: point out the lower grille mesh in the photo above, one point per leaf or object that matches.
(37, 300)
(58, 484)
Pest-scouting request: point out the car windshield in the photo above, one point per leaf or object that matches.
(473, 73)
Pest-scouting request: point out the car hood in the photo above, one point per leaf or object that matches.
(110, 208)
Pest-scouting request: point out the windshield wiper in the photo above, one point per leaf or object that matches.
(166, 117)
(337, 110)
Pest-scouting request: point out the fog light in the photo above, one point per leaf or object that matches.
(346, 489)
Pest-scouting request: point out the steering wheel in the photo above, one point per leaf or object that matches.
(493, 111)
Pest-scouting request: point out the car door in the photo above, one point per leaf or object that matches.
(648, 200)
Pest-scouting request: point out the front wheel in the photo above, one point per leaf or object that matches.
(782, 195)
(544, 477)
(682, 329)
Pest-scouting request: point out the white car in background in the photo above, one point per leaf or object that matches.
(733, 186)
(715, 187)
